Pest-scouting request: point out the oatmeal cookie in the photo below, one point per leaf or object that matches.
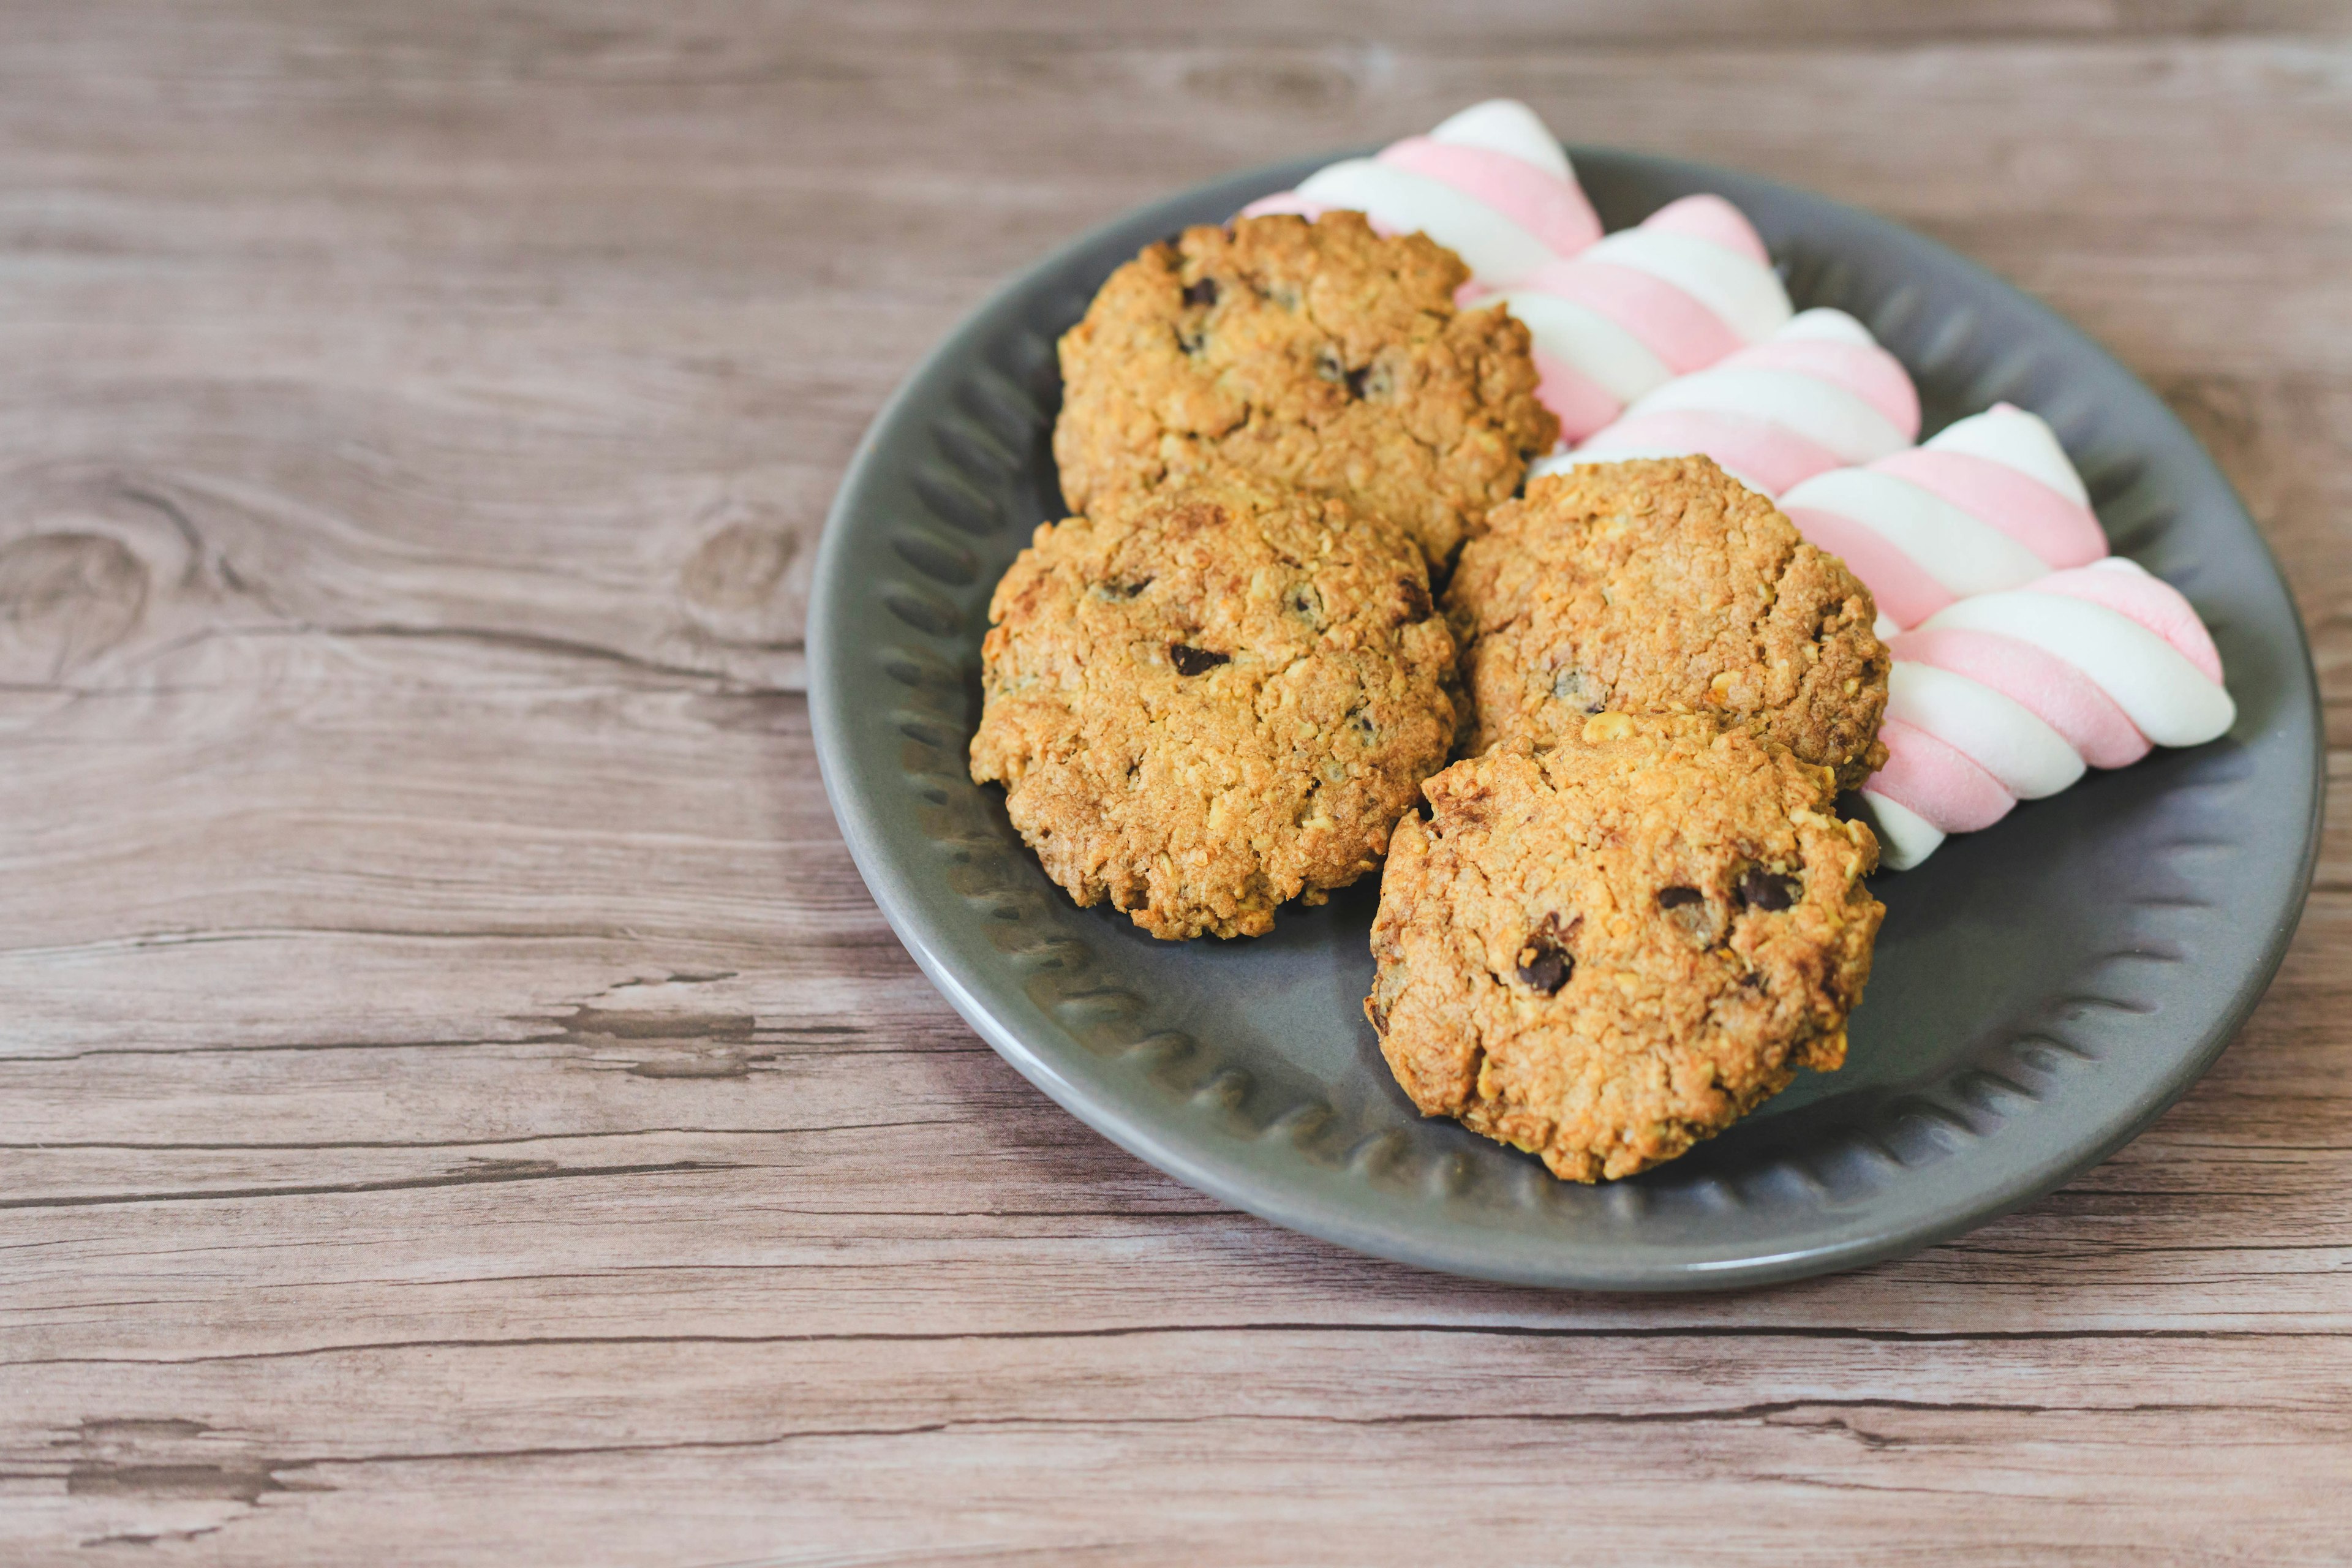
(1316, 352)
(1606, 952)
(1209, 699)
(1665, 586)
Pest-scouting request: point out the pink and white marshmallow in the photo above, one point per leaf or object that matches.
(1819, 394)
(1988, 504)
(1613, 319)
(1491, 183)
(1688, 286)
(2011, 695)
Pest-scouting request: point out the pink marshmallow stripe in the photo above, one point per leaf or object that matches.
(1682, 333)
(1582, 403)
(1867, 371)
(1715, 220)
(2053, 690)
(1289, 202)
(2151, 601)
(1937, 780)
(1552, 209)
(1901, 586)
(2058, 529)
(1771, 454)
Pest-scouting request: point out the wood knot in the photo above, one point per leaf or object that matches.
(739, 567)
(730, 581)
(64, 598)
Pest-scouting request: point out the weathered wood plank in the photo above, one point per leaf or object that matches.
(1061, 1442)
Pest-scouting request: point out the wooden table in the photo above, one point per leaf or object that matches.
(458, 1102)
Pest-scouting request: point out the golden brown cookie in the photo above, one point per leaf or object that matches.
(1316, 352)
(1606, 952)
(1664, 584)
(1212, 698)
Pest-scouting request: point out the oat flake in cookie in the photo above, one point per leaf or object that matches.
(1212, 698)
(1606, 952)
(1666, 585)
(1317, 353)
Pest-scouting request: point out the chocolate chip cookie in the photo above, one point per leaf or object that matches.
(1604, 952)
(1212, 697)
(1665, 586)
(1317, 353)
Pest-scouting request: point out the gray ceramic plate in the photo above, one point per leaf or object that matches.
(2042, 989)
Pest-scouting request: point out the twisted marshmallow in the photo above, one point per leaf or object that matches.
(1989, 504)
(2009, 696)
(1491, 183)
(1691, 284)
(1612, 318)
(1819, 394)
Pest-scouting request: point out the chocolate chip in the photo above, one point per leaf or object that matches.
(1204, 292)
(1545, 963)
(1687, 909)
(1549, 972)
(1355, 379)
(1762, 889)
(1191, 342)
(1191, 660)
(1417, 605)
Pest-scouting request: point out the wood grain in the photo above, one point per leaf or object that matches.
(458, 1102)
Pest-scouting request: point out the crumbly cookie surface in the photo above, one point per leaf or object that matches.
(1606, 952)
(1210, 698)
(1318, 353)
(1665, 586)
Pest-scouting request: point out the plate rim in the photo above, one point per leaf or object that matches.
(1147, 1138)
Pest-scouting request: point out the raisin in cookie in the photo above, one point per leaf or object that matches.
(1666, 585)
(1606, 952)
(1316, 352)
(1212, 698)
